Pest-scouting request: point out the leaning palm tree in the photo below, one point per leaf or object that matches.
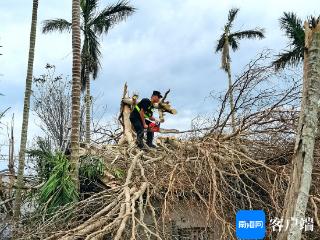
(26, 107)
(294, 30)
(94, 24)
(231, 39)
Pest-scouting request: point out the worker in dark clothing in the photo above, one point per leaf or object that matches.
(140, 118)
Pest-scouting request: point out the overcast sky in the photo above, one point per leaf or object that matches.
(165, 44)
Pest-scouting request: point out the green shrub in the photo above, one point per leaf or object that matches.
(44, 158)
(59, 189)
(118, 173)
(91, 168)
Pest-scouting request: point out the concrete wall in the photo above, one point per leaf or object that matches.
(186, 220)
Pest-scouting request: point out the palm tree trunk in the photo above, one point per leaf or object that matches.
(226, 65)
(26, 107)
(76, 91)
(88, 106)
(231, 101)
(298, 194)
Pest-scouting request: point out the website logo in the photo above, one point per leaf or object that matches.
(251, 224)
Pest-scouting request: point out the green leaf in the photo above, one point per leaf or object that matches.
(119, 173)
(59, 189)
(52, 25)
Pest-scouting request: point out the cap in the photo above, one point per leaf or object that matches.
(157, 93)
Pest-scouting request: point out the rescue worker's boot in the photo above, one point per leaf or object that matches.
(150, 139)
(140, 140)
(151, 145)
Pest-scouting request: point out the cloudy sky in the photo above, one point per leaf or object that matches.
(165, 44)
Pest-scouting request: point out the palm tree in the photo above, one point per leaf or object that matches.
(26, 107)
(231, 39)
(307, 138)
(94, 24)
(76, 91)
(294, 30)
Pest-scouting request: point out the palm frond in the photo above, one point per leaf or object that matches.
(93, 68)
(83, 74)
(60, 25)
(293, 28)
(288, 58)
(88, 9)
(248, 34)
(91, 55)
(223, 47)
(232, 16)
(220, 43)
(59, 189)
(234, 43)
(111, 15)
(44, 157)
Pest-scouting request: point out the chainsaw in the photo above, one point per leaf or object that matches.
(154, 126)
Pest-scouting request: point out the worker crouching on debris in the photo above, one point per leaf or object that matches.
(141, 118)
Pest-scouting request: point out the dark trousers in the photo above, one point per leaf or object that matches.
(138, 128)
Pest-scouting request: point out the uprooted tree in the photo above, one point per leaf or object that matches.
(212, 174)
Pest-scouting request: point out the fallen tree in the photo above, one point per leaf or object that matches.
(211, 173)
(218, 171)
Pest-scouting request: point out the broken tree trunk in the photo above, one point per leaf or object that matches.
(124, 118)
(301, 178)
(164, 106)
(11, 159)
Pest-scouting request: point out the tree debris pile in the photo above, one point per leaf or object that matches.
(218, 175)
(216, 170)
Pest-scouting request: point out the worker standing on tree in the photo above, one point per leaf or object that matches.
(141, 118)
